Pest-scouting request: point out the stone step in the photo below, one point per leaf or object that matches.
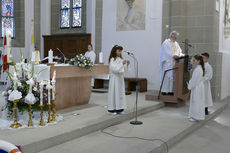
(169, 124)
(75, 124)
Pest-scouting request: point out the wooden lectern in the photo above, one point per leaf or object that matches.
(181, 77)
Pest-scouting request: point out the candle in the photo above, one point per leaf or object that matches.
(53, 85)
(50, 56)
(41, 92)
(101, 57)
(49, 87)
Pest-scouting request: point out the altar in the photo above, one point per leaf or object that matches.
(73, 84)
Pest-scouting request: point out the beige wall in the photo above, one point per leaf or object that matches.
(197, 21)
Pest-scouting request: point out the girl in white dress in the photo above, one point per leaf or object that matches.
(196, 85)
(116, 95)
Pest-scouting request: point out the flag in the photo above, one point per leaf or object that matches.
(4, 54)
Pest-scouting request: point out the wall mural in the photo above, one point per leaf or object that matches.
(131, 15)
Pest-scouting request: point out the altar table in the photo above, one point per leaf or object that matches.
(73, 84)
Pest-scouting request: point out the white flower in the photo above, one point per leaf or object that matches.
(9, 92)
(19, 84)
(3, 93)
(35, 89)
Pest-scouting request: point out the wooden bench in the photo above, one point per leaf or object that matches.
(131, 82)
(142, 82)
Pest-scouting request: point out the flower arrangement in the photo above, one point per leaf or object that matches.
(82, 61)
(20, 81)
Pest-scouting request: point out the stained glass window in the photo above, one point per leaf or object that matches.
(65, 13)
(7, 17)
(71, 16)
(77, 4)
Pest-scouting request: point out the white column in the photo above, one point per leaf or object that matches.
(45, 22)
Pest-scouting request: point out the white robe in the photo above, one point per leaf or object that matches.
(116, 95)
(91, 55)
(167, 62)
(207, 86)
(197, 97)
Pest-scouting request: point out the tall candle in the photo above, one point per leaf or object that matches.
(49, 87)
(53, 85)
(50, 56)
(41, 93)
(101, 57)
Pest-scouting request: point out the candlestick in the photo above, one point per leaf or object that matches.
(49, 113)
(54, 109)
(42, 121)
(15, 124)
(30, 123)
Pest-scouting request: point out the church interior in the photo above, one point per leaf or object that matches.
(114, 76)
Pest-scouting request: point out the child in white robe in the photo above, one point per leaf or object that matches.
(116, 95)
(207, 86)
(196, 85)
(90, 53)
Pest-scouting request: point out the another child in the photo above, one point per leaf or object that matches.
(207, 86)
(90, 53)
(116, 95)
(196, 85)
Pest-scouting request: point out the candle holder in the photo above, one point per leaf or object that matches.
(49, 113)
(30, 122)
(15, 124)
(54, 109)
(42, 121)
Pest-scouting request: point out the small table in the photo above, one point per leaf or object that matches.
(143, 84)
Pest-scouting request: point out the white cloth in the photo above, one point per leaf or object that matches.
(91, 55)
(166, 58)
(207, 86)
(116, 95)
(197, 97)
(167, 85)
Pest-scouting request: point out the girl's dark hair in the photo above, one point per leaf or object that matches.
(113, 53)
(90, 45)
(200, 58)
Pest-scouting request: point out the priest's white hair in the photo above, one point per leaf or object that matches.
(174, 33)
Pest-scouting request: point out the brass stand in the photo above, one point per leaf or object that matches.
(54, 110)
(41, 121)
(30, 123)
(15, 124)
(49, 113)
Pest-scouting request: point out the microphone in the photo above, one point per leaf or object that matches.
(129, 53)
(61, 53)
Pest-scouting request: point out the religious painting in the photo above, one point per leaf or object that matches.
(131, 15)
(7, 17)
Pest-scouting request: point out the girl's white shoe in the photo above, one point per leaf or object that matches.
(193, 120)
(114, 113)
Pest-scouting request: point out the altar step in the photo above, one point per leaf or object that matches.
(169, 124)
(77, 122)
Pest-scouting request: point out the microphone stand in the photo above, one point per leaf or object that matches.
(62, 54)
(135, 122)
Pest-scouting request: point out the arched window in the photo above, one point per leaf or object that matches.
(7, 17)
(71, 11)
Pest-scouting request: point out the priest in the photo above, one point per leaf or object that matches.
(170, 51)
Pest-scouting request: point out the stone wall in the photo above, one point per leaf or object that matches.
(55, 19)
(197, 21)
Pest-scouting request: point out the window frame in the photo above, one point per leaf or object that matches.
(71, 16)
(10, 17)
